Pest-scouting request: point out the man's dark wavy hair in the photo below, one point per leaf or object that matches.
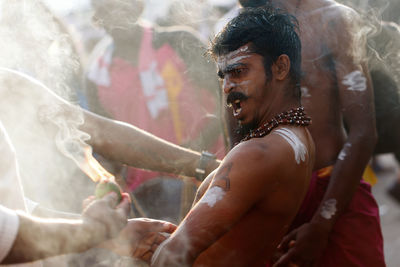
(270, 32)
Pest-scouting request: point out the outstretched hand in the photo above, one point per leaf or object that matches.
(104, 217)
(140, 238)
(303, 246)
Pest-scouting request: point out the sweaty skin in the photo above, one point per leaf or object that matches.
(338, 91)
(235, 220)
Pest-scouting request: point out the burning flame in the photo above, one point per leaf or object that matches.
(93, 169)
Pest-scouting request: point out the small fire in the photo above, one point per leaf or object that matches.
(93, 169)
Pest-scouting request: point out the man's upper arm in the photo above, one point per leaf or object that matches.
(204, 186)
(238, 184)
(354, 83)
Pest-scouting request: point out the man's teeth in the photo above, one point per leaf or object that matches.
(237, 111)
(236, 107)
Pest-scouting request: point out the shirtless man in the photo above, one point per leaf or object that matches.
(335, 88)
(236, 220)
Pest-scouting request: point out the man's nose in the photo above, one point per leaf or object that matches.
(227, 85)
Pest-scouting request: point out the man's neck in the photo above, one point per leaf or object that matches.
(294, 116)
(277, 109)
(277, 102)
(128, 47)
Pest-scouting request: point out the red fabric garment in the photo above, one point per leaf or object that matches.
(156, 96)
(356, 239)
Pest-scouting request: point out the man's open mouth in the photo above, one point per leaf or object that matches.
(236, 107)
(234, 100)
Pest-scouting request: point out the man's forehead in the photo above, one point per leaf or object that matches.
(245, 49)
(233, 59)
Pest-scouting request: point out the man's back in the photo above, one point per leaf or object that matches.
(328, 61)
(270, 173)
(336, 91)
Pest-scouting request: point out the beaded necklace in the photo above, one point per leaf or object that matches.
(295, 116)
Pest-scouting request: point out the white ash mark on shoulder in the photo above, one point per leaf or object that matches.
(355, 81)
(299, 148)
(212, 196)
(344, 151)
(329, 209)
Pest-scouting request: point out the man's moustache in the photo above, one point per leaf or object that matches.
(232, 96)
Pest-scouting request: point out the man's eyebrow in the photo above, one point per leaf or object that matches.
(231, 67)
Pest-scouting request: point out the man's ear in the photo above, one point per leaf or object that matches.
(281, 67)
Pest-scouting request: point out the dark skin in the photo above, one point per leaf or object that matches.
(254, 176)
(333, 48)
(122, 142)
(328, 59)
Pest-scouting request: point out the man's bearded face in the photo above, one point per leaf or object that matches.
(245, 85)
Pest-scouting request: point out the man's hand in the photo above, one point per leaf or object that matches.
(105, 218)
(303, 246)
(140, 238)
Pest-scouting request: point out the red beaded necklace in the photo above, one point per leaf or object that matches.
(295, 116)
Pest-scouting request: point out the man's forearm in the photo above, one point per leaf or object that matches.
(345, 179)
(42, 238)
(43, 212)
(128, 144)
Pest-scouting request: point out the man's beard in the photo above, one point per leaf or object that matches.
(244, 129)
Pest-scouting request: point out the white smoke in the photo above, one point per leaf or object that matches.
(32, 41)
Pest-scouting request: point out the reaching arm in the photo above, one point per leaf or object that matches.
(128, 144)
(41, 238)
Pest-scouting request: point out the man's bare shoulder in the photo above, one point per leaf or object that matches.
(339, 15)
(282, 147)
(269, 167)
(251, 167)
(339, 24)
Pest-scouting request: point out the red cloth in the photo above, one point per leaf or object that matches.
(356, 239)
(157, 96)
